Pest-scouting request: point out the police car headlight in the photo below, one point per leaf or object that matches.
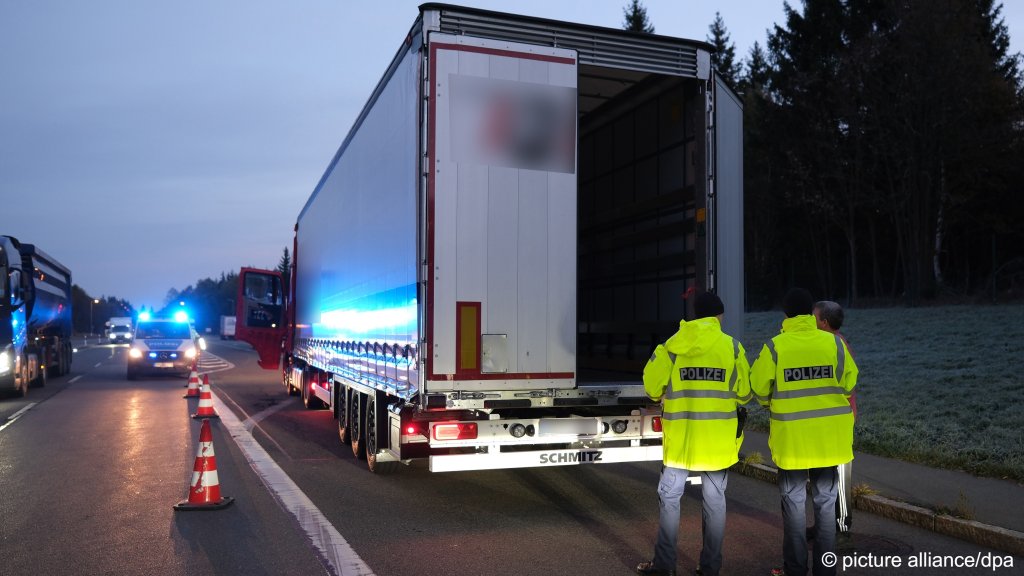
(5, 362)
(190, 353)
(135, 353)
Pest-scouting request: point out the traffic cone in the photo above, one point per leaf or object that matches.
(193, 374)
(205, 401)
(204, 490)
(193, 386)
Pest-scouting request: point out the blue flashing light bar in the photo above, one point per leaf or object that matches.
(181, 316)
(143, 316)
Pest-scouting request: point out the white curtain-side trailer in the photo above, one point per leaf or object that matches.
(516, 219)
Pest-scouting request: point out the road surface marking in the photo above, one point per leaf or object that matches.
(210, 363)
(256, 425)
(254, 420)
(98, 364)
(341, 559)
(75, 379)
(16, 415)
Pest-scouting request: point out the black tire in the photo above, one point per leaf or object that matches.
(341, 407)
(132, 373)
(40, 379)
(375, 433)
(286, 377)
(62, 359)
(356, 414)
(309, 400)
(23, 384)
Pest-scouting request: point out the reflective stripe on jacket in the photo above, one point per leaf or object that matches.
(805, 376)
(702, 374)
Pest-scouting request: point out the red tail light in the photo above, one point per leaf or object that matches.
(455, 431)
(656, 423)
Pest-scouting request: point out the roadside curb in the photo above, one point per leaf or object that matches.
(994, 537)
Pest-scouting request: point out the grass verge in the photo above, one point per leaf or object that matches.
(938, 386)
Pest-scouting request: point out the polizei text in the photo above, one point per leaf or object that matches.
(806, 373)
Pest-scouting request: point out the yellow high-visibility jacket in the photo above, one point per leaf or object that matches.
(805, 377)
(703, 376)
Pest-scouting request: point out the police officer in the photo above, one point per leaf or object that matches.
(830, 316)
(805, 377)
(702, 375)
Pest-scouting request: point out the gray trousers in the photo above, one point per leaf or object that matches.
(670, 491)
(824, 489)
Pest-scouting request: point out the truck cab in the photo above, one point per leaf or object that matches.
(12, 321)
(34, 330)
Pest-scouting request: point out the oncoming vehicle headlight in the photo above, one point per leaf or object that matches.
(190, 353)
(5, 362)
(135, 353)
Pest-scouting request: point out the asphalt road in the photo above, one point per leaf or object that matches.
(90, 472)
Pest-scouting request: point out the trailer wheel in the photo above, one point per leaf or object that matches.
(341, 407)
(357, 413)
(23, 384)
(40, 379)
(375, 431)
(60, 361)
(286, 377)
(309, 400)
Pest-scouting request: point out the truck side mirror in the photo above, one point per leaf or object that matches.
(17, 288)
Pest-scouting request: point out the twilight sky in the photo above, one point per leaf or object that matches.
(146, 144)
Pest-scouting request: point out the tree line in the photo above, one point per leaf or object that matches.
(882, 147)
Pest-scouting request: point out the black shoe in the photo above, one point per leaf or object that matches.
(844, 542)
(647, 569)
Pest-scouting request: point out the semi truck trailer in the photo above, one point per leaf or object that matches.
(35, 317)
(516, 219)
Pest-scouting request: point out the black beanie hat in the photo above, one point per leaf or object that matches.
(706, 305)
(797, 303)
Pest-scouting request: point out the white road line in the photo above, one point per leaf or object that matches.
(210, 363)
(16, 415)
(342, 560)
(254, 420)
(75, 379)
(98, 364)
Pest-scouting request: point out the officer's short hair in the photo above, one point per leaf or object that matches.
(797, 303)
(831, 312)
(706, 305)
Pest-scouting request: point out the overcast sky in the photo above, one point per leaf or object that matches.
(146, 145)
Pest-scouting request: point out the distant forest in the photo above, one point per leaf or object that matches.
(883, 153)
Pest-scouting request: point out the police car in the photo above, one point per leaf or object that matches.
(162, 346)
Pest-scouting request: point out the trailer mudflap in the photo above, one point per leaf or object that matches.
(544, 458)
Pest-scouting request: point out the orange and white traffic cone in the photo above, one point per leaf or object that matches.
(205, 401)
(193, 374)
(193, 386)
(204, 490)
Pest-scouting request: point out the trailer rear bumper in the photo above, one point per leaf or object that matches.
(544, 458)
